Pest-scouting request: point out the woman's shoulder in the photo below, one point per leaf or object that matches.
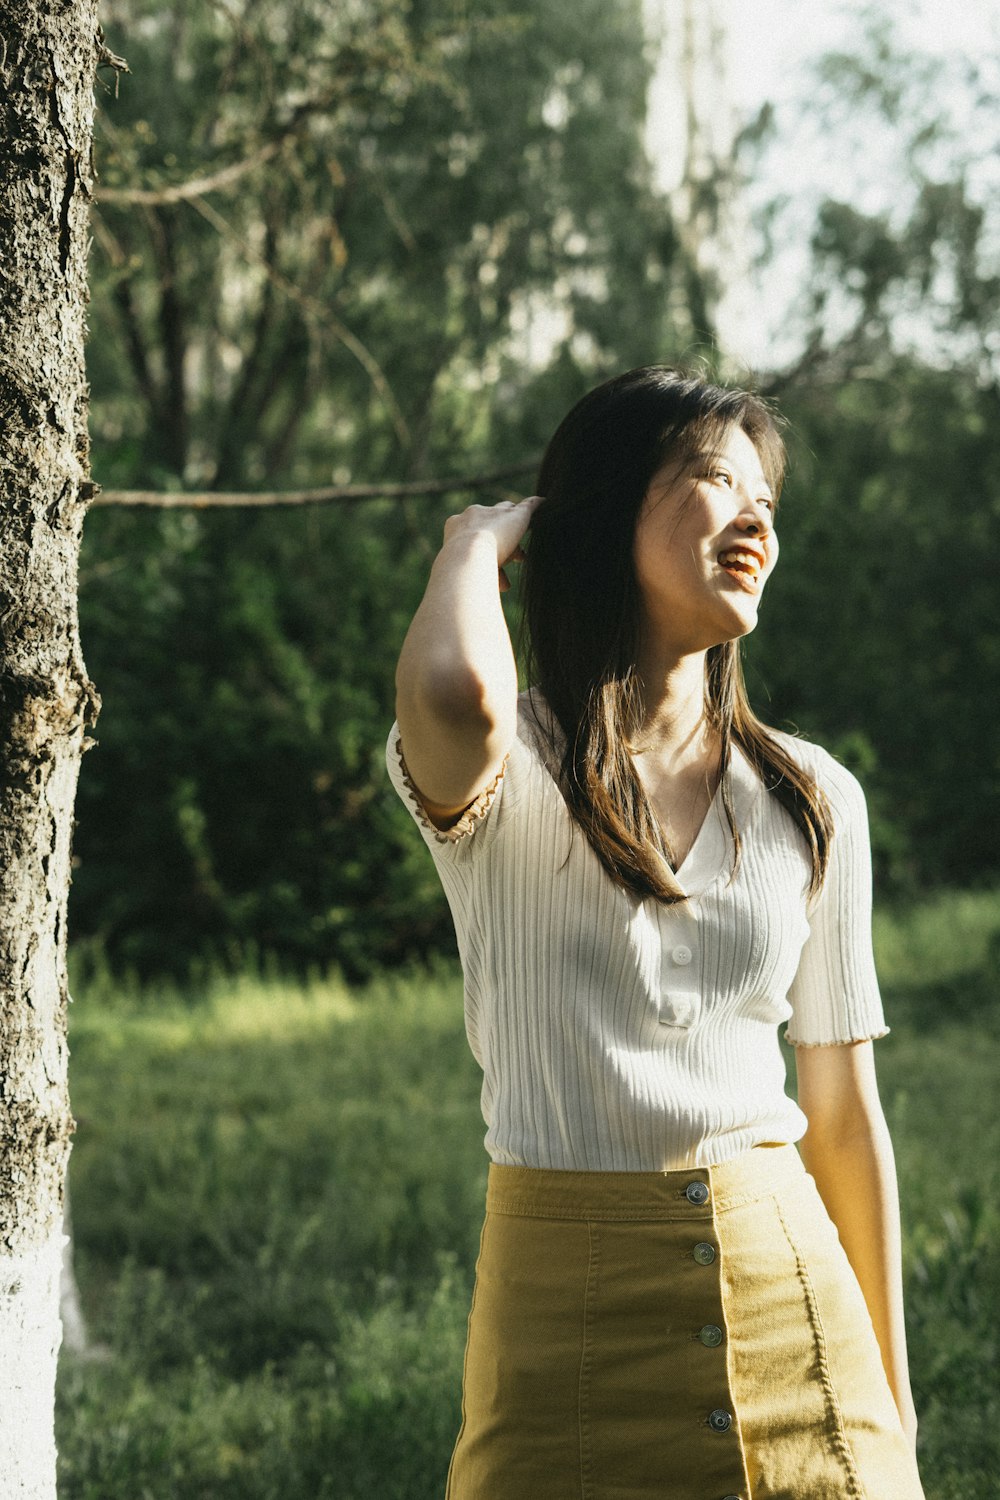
(831, 776)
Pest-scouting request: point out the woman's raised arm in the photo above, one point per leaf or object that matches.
(456, 681)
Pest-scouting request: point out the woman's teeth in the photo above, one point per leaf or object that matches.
(744, 566)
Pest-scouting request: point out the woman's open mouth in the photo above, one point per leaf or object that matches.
(744, 566)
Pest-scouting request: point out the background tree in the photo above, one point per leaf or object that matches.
(413, 185)
(397, 242)
(49, 55)
(895, 489)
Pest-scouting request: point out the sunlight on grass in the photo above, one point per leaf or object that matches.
(278, 1191)
(229, 1007)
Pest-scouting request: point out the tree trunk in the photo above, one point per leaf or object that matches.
(48, 56)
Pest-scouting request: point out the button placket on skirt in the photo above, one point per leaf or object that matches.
(598, 1347)
(656, 1373)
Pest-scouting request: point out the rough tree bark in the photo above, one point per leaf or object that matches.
(49, 52)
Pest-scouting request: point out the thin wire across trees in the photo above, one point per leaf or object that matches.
(333, 494)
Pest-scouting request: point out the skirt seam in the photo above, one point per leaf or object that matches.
(726, 1201)
(465, 1360)
(583, 1399)
(834, 1414)
(516, 1210)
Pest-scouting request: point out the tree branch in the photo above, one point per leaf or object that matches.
(342, 493)
(300, 392)
(230, 425)
(173, 434)
(323, 316)
(136, 345)
(195, 187)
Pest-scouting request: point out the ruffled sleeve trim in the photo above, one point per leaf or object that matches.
(846, 1041)
(472, 815)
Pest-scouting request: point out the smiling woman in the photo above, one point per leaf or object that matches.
(634, 627)
(690, 507)
(646, 882)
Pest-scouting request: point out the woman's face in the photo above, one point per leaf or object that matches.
(704, 548)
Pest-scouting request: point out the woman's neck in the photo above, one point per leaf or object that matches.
(673, 727)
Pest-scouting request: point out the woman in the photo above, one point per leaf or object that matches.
(646, 882)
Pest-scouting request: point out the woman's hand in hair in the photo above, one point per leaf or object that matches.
(506, 522)
(456, 682)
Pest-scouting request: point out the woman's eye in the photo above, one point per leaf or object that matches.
(724, 475)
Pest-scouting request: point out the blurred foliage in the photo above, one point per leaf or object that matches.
(920, 271)
(354, 307)
(880, 636)
(237, 793)
(347, 307)
(422, 188)
(278, 1190)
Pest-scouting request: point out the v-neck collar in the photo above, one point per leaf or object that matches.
(712, 849)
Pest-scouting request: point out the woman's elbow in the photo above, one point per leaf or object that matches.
(456, 696)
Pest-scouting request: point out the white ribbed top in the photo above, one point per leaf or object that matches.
(621, 1035)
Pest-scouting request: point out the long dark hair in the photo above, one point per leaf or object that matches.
(581, 614)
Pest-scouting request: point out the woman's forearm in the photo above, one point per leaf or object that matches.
(854, 1169)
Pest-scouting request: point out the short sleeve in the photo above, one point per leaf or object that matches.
(479, 823)
(835, 994)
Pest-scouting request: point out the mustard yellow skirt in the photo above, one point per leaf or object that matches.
(694, 1335)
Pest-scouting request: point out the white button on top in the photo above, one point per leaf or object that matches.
(682, 955)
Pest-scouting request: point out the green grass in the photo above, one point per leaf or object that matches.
(277, 1192)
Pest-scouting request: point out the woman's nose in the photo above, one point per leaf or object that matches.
(754, 524)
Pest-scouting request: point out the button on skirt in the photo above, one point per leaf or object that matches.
(693, 1335)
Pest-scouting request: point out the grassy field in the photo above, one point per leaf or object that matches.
(277, 1192)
